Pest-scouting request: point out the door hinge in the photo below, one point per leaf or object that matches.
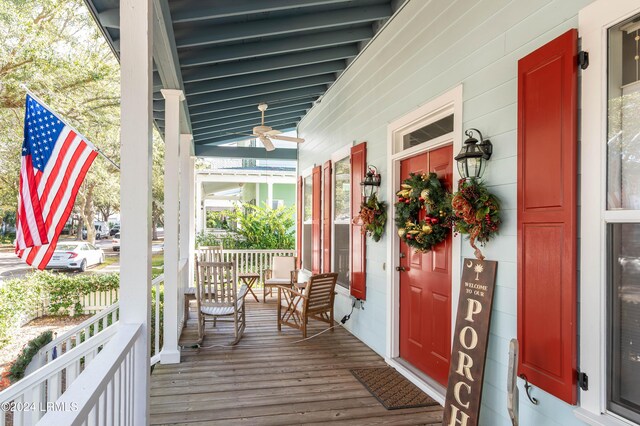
(583, 59)
(583, 380)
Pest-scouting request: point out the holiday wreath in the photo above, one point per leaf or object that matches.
(477, 213)
(423, 211)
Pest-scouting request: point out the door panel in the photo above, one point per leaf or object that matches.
(425, 285)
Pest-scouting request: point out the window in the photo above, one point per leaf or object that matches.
(430, 131)
(623, 193)
(609, 307)
(341, 220)
(307, 196)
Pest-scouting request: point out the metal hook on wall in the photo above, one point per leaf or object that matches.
(527, 388)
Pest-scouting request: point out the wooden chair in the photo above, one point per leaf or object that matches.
(219, 298)
(282, 272)
(295, 307)
(203, 254)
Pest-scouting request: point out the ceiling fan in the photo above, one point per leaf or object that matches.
(266, 133)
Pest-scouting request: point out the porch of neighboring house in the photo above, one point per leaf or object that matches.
(269, 379)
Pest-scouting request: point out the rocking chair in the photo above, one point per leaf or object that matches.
(219, 298)
(295, 307)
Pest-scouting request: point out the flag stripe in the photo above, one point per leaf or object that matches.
(59, 153)
(64, 214)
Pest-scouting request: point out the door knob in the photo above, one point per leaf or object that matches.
(400, 268)
(402, 255)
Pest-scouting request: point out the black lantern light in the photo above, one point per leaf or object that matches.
(371, 182)
(473, 156)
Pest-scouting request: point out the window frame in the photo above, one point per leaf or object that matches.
(306, 174)
(594, 22)
(339, 155)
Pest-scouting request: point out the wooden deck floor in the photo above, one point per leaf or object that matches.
(268, 380)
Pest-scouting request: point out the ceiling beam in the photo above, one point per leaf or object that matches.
(219, 54)
(270, 63)
(203, 119)
(259, 90)
(166, 59)
(246, 152)
(264, 77)
(245, 128)
(237, 135)
(295, 111)
(278, 97)
(250, 122)
(198, 10)
(188, 35)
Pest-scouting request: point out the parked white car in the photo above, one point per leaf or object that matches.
(75, 255)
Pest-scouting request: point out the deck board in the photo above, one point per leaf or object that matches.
(272, 378)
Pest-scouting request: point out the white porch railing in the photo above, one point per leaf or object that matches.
(30, 398)
(80, 333)
(253, 261)
(104, 394)
(156, 315)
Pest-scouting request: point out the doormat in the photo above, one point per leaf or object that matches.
(392, 389)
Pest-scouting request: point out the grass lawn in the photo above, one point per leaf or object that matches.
(157, 264)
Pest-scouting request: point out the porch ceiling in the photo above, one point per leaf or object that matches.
(230, 55)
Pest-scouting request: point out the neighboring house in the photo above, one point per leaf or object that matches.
(227, 185)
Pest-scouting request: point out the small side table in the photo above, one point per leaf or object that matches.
(249, 279)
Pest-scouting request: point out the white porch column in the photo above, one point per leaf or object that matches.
(172, 98)
(185, 192)
(136, 36)
(191, 217)
(269, 193)
(199, 214)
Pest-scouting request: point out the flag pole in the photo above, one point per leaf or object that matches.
(44, 104)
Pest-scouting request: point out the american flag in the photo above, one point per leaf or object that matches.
(55, 160)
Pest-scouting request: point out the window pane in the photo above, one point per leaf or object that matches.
(623, 129)
(308, 193)
(306, 246)
(624, 320)
(428, 132)
(341, 256)
(342, 190)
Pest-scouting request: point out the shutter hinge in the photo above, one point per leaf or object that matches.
(583, 380)
(583, 59)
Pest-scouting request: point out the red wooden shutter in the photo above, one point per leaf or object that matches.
(327, 222)
(316, 219)
(547, 234)
(358, 239)
(299, 225)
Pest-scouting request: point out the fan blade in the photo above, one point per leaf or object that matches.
(268, 145)
(288, 138)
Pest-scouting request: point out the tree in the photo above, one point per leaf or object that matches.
(55, 48)
(157, 185)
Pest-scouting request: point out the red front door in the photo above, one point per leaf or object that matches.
(425, 286)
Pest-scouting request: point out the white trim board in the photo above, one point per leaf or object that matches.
(594, 20)
(448, 103)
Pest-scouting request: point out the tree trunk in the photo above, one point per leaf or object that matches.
(79, 229)
(154, 229)
(87, 212)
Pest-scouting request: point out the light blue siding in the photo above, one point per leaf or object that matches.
(429, 48)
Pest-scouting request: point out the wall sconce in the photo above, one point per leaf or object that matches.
(371, 183)
(473, 156)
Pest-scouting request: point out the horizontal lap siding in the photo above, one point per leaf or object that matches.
(429, 48)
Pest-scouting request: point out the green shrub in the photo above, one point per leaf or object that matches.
(20, 299)
(23, 298)
(17, 369)
(258, 228)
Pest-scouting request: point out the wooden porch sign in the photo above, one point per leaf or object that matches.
(466, 372)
